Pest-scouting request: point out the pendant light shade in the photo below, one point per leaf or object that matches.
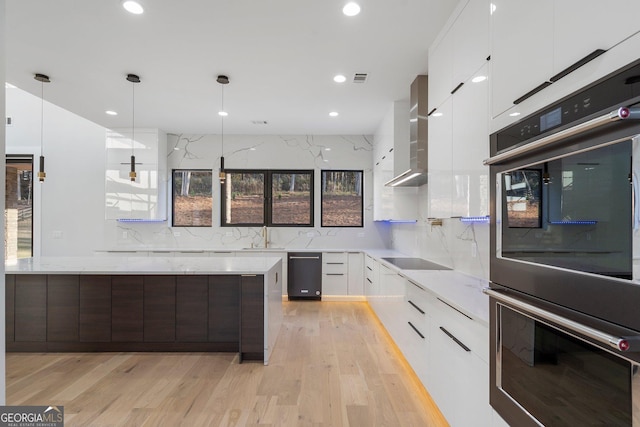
(42, 78)
(133, 79)
(222, 175)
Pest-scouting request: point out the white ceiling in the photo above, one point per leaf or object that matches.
(280, 56)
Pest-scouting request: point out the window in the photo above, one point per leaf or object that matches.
(192, 198)
(282, 198)
(342, 202)
(18, 225)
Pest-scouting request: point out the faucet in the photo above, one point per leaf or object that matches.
(265, 234)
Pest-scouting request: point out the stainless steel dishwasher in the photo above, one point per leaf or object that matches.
(304, 275)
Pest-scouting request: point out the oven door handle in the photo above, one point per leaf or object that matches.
(618, 343)
(621, 113)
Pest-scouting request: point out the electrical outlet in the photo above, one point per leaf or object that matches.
(310, 234)
(56, 234)
(474, 250)
(176, 234)
(360, 234)
(229, 234)
(125, 235)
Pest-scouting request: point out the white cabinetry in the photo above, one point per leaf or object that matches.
(458, 366)
(334, 273)
(532, 42)
(371, 273)
(470, 146)
(342, 276)
(390, 157)
(355, 285)
(458, 143)
(144, 198)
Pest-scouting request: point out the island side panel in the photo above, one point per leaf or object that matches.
(252, 317)
(10, 300)
(273, 285)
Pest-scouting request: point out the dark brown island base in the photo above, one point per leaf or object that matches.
(50, 311)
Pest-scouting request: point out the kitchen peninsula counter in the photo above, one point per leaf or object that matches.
(144, 304)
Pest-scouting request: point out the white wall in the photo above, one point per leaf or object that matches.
(69, 206)
(3, 392)
(255, 152)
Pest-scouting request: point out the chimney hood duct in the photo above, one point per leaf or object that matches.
(416, 175)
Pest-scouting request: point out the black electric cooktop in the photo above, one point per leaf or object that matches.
(415, 264)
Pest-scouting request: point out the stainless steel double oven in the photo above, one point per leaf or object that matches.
(565, 260)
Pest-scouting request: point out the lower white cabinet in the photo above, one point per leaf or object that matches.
(447, 349)
(355, 285)
(458, 375)
(335, 270)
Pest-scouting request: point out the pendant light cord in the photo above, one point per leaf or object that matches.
(133, 115)
(222, 118)
(42, 118)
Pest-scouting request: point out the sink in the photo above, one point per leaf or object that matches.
(263, 249)
(415, 264)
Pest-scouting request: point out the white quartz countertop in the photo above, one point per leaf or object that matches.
(142, 265)
(460, 290)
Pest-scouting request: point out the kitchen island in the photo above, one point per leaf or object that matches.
(230, 304)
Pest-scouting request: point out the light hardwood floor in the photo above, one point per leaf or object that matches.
(333, 365)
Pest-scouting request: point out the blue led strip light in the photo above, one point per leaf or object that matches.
(583, 222)
(474, 219)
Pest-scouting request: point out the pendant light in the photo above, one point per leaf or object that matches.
(223, 80)
(42, 79)
(133, 79)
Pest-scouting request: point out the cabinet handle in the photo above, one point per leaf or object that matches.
(571, 68)
(416, 307)
(416, 285)
(304, 257)
(455, 89)
(334, 263)
(416, 330)
(531, 92)
(456, 340)
(369, 280)
(369, 268)
(335, 274)
(452, 307)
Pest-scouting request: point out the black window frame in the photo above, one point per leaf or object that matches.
(25, 159)
(322, 172)
(173, 192)
(268, 197)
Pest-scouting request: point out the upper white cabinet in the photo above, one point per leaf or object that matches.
(144, 198)
(390, 140)
(470, 146)
(470, 34)
(461, 49)
(521, 49)
(440, 161)
(532, 42)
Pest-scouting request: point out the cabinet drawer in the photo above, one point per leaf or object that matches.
(336, 268)
(468, 332)
(368, 263)
(334, 257)
(334, 284)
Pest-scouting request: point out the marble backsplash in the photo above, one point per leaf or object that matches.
(259, 152)
(456, 244)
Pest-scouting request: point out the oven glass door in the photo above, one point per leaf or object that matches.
(560, 380)
(574, 211)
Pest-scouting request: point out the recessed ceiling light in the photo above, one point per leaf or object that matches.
(339, 78)
(223, 113)
(327, 149)
(333, 114)
(478, 79)
(176, 148)
(514, 114)
(111, 113)
(492, 8)
(436, 115)
(132, 6)
(351, 9)
(9, 86)
(252, 149)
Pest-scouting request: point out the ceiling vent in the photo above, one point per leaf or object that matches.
(259, 122)
(360, 77)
